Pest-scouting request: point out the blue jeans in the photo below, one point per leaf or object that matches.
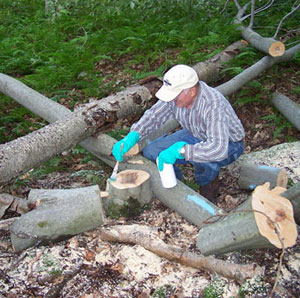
(204, 172)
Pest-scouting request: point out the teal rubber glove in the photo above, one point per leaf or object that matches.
(128, 142)
(170, 155)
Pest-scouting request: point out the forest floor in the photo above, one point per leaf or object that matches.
(86, 266)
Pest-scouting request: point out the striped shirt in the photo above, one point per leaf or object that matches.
(211, 119)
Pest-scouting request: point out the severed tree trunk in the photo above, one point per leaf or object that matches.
(268, 46)
(61, 213)
(247, 229)
(128, 195)
(289, 109)
(256, 69)
(252, 175)
(148, 238)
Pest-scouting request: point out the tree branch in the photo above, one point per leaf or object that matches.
(252, 14)
(286, 16)
(147, 237)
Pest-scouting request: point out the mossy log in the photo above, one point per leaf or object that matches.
(252, 225)
(60, 214)
(128, 195)
(288, 108)
(252, 175)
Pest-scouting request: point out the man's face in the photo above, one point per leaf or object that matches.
(186, 98)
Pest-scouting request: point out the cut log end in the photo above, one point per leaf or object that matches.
(277, 49)
(274, 218)
(130, 178)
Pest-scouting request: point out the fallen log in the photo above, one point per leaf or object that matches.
(22, 154)
(148, 238)
(60, 214)
(265, 220)
(209, 70)
(252, 175)
(288, 108)
(267, 45)
(256, 69)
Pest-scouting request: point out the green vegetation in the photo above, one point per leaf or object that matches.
(81, 49)
(215, 289)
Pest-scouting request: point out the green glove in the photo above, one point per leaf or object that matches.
(170, 154)
(128, 142)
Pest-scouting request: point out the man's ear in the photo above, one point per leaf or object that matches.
(194, 91)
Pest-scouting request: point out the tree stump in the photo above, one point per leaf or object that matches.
(247, 229)
(253, 175)
(60, 214)
(128, 195)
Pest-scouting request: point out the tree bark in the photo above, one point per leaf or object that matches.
(266, 45)
(128, 195)
(145, 237)
(24, 153)
(61, 213)
(247, 229)
(252, 175)
(289, 109)
(209, 70)
(253, 71)
(293, 194)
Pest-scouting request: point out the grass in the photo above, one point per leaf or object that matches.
(60, 53)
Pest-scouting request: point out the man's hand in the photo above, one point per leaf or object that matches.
(170, 154)
(128, 142)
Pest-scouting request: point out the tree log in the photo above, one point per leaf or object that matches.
(128, 195)
(209, 70)
(293, 194)
(266, 45)
(147, 238)
(26, 152)
(252, 175)
(256, 69)
(289, 109)
(61, 213)
(247, 229)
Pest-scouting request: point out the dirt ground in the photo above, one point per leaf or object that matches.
(85, 266)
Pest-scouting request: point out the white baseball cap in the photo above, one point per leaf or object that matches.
(175, 80)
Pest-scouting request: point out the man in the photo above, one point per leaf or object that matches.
(212, 135)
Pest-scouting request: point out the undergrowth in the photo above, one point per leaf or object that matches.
(59, 52)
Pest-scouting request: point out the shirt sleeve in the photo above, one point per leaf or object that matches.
(215, 147)
(153, 118)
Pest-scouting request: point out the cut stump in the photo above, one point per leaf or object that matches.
(252, 175)
(60, 214)
(257, 223)
(128, 195)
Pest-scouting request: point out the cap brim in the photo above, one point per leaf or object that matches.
(166, 95)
